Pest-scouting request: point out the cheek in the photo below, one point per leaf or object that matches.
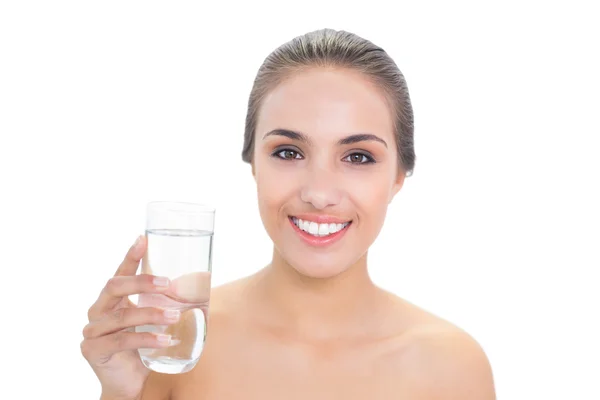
(372, 200)
(273, 191)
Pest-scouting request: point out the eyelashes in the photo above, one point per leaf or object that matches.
(291, 154)
(287, 154)
(361, 157)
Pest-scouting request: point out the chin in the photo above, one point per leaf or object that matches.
(318, 271)
(317, 266)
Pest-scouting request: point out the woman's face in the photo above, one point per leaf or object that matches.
(325, 164)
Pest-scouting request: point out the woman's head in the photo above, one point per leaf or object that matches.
(329, 134)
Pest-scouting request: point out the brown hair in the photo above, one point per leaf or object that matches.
(331, 48)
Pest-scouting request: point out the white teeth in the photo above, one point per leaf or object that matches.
(318, 229)
(323, 229)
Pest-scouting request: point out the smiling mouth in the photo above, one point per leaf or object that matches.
(319, 230)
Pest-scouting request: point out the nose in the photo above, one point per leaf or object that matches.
(321, 188)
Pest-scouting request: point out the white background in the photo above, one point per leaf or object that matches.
(106, 105)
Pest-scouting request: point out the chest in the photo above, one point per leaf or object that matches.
(272, 384)
(290, 373)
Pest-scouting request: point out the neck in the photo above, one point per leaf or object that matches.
(314, 307)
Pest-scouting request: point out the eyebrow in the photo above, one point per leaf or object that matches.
(356, 138)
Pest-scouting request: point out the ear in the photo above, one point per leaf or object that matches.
(399, 182)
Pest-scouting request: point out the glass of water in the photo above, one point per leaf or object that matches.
(179, 237)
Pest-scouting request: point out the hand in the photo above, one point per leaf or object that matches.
(110, 343)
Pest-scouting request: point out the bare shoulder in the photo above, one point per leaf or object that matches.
(231, 299)
(226, 296)
(224, 310)
(441, 360)
(158, 386)
(172, 386)
(447, 363)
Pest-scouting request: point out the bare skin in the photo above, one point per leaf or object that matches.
(248, 355)
(311, 324)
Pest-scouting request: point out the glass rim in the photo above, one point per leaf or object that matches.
(180, 206)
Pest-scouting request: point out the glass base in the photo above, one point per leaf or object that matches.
(169, 365)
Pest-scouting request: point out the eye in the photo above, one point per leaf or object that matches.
(288, 154)
(359, 158)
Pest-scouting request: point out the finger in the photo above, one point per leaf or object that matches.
(100, 349)
(118, 287)
(131, 261)
(129, 317)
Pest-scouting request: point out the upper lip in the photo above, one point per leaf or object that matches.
(321, 219)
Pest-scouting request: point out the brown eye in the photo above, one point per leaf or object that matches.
(359, 158)
(288, 154)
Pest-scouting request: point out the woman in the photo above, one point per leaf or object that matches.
(329, 135)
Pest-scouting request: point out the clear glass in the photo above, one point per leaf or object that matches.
(180, 239)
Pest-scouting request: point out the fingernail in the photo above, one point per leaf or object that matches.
(137, 241)
(163, 339)
(161, 281)
(172, 314)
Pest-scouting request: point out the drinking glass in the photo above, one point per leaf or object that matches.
(179, 237)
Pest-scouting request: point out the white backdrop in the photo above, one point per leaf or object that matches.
(107, 105)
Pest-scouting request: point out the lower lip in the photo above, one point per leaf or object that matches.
(319, 240)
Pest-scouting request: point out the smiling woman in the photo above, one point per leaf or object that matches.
(329, 137)
(321, 152)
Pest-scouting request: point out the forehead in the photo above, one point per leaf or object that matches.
(326, 102)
